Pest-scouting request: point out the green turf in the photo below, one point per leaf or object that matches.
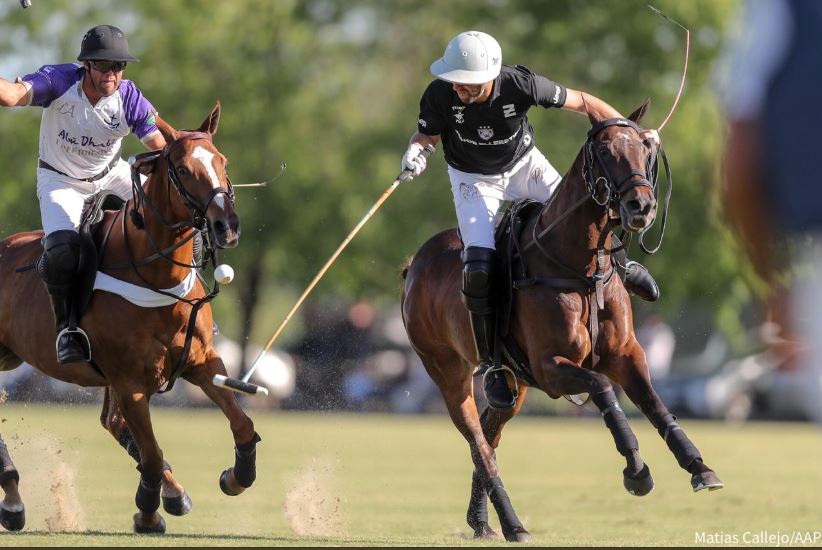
(367, 480)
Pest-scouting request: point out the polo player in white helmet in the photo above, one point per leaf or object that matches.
(478, 107)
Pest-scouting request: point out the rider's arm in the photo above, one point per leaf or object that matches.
(424, 139)
(584, 103)
(155, 142)
(13, 94)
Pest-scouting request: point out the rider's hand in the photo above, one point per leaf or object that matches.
(413, 162)
(651, 136)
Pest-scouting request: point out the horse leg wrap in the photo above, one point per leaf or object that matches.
(477, 515)
(679, 444)
(7, 469)
(509, 522)
(245, 462)
(127, 442)
(612, 413)
(147, 498)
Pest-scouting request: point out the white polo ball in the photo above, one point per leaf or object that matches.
(224, 274)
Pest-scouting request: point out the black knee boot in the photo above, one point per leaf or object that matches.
(637, 279)
(58, 267)
(477, 293)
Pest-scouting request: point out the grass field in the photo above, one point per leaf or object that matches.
(368, 480)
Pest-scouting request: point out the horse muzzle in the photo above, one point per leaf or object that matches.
(226, 230)
(637, 213)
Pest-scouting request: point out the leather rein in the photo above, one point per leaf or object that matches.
(197, 224)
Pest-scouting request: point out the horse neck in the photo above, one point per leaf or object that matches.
(574, 240)
(156, 236)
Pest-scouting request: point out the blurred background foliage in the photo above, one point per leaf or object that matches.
(332, 88)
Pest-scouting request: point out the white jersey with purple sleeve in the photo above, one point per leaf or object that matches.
(76, 137)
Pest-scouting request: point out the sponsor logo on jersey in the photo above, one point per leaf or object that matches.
(509, 110)
(556, 95)
(422, 123)
(485, 132)
(459, 116)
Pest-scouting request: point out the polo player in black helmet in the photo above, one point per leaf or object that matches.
(87, 111)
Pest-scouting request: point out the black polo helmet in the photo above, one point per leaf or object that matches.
(105, 42)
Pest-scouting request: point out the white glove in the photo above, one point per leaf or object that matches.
(413, 163)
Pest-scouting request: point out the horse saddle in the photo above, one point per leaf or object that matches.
(93, 211)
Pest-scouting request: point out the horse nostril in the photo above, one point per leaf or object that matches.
(634, 205)
(219, 227)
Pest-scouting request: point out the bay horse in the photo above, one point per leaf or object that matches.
(576, 333)
(149, 243)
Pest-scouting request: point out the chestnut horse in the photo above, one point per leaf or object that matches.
(577, 337)
(136, 350)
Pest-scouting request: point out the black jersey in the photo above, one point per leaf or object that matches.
(488, 137)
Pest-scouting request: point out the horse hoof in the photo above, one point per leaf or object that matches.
(639, 484)
(155, 527)
(178, 506)
(12, 521)
(229, 485)
(484, 531)
(706, 480)
(518, 534)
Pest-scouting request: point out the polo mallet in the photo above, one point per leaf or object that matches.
(684, 68)
(243, 385)
(283, 168)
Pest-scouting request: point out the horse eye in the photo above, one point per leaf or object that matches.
(183, 171)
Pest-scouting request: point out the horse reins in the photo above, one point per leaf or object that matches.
(592, 157)
(197, 224)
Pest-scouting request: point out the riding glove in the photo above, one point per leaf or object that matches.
(413, 163)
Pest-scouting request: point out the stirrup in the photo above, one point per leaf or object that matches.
(514, 392)
(84, 343)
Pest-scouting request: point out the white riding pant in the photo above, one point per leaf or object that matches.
(478, 197)
(62, 197)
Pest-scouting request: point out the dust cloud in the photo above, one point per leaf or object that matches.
(47, 484)
(311, 506)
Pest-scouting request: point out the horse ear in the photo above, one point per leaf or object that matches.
(594, 120)
(169, 133)
(637, 115)
(212, 121)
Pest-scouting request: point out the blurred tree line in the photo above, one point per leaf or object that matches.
(332, 88)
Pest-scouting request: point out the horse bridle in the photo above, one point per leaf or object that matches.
(198, 212)
(197, 224)
(592, 158)
(613, 188)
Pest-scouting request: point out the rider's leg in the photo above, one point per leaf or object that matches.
(58, 268)
(477, 199)
(636, 278)
(477, 293)
(61, 207)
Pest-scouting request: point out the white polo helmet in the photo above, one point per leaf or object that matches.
(472, 57)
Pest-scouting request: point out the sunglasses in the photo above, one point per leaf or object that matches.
(106, 66)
